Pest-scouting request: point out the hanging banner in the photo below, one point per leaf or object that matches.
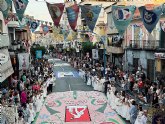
(122, 16)
(162, 24)
(6, 68)
(33, 26)
(23, 61)
(45, 29)
(56, 11)
(72, 14)
(5, 7)
(20, 6)
(91, 14)
(38, 54)
(23, 23)
(95, 54)
(150, 17)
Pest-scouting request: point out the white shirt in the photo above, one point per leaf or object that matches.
(144, 119)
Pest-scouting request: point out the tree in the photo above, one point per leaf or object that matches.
(87, 47)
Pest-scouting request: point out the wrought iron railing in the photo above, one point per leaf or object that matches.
(144, 44)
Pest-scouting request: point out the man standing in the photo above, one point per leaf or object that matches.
(133, 112)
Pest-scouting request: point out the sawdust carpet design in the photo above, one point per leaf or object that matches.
(77, 107)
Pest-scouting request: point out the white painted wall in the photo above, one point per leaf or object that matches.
(5, 29)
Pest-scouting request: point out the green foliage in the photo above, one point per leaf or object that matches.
(33, 50)
(87, 47)
(51, 47)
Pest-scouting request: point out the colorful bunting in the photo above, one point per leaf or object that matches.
(162, 25)
(150, 17)
(5, 7)
(20, 6)
(72, 14)
(56, 11)
(91, 14)
(23, 23)
(45, 29)
(122, 16)
(33, 26)
(9, 18)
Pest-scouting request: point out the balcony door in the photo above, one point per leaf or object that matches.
(150, 69)
(162, 39)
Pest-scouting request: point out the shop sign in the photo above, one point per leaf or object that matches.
(160, 55)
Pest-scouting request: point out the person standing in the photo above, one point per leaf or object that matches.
(133, 112)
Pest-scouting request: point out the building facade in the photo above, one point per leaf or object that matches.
(6, 68)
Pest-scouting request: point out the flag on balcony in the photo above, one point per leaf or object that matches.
(162, 24)
(20, 6)
(45, 29)
(33, 26)
(122, 16)
(5, 7)
(150, 17)
(72, 14)
(91, 14)
(56, 11)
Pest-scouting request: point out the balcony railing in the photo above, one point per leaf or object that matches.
(144, 44)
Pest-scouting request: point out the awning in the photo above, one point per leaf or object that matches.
(6, 68)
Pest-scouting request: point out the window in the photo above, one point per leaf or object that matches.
(1, 26)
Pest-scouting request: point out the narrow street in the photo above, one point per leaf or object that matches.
(68, 83)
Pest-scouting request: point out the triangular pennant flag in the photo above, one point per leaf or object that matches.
(162, 25)
(72, 14)
(56, 11)
(20, 6)
(33, 26)
(5, 7)
(150, 17)
(91, 14)
(50, 110)
(122, 16)
(23, 23)
(9, 18)
(45, 29)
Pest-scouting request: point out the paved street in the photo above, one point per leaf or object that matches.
(68, 83)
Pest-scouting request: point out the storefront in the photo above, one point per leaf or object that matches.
(160, 63)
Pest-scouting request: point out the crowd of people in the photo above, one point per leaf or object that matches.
(127, 92)
(24, 97)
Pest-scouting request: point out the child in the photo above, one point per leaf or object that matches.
(20, 119)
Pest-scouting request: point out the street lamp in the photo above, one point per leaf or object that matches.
(104, 52)
(98, 45)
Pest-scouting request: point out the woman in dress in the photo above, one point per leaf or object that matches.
(139, 116)
(89, 79)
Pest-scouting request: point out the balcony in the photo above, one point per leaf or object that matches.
(114, 50)
(144, 44)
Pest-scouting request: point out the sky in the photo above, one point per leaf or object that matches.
(39, 9)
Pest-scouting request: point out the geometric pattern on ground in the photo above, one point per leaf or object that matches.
(97, 111)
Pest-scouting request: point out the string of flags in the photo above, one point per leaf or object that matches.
(122, 15)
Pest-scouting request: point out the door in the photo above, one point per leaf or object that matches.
(150, 69)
